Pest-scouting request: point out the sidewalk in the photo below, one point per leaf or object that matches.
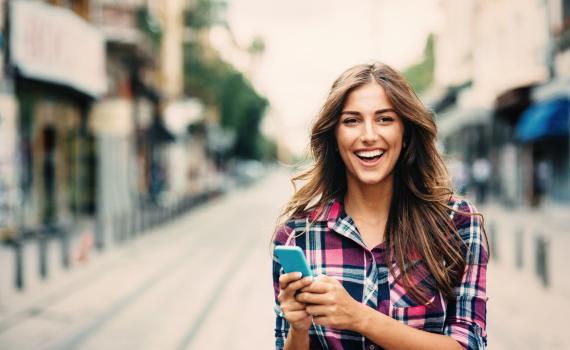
(197, 282)
(521, 312)
(81, 250)
(515, 235)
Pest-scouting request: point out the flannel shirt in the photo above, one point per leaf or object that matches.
(333, 247)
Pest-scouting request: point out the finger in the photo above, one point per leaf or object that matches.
(299, 284)
(296, 316)
(322, 320)
(318, 310)
(291, 289)
(327, 279)
(287, 278)
(312, 298)
(292, 306)
(318, 287)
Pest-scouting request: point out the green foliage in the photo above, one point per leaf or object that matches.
(267, 149)
(219, 84)
(420, 75)
(149, 26)
(257, 47)
(203, 77)
(242, 109)
(206, 13)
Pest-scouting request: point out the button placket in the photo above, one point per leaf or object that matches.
(371, 283)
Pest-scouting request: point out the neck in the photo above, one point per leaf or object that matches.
(369, 203)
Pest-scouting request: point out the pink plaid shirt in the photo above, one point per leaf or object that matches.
(333, 247)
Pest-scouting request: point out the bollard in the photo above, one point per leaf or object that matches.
(541, 260)
(519, 246)
(64, 240)
(133, 222)
(115, 226)
(124, 226)
(144, 220)
(42, 252)
(130, 224)
(19, 264)
(100, 232)
(136, 222)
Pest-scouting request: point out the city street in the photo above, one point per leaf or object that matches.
(204, 282)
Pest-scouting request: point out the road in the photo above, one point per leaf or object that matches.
(204, 282)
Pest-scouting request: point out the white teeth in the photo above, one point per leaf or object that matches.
(370, 154)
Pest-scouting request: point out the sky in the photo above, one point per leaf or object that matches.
(310, 42)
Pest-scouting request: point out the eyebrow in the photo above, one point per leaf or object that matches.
(380, 111)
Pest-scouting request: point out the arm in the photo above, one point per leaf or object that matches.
(297, 340)
(291, 321)
(332, 306)
(466, 317)
(392, 334)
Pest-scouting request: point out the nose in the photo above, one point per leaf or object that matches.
(369, 133)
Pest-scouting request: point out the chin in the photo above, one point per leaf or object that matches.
(370, 181)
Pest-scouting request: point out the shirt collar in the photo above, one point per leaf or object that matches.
(337, 220)
(330, 212)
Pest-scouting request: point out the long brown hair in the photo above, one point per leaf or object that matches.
(419, 221)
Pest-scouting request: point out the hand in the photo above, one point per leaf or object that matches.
(329, 303)
(294, 310)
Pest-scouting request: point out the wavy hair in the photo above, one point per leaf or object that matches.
(418, 223)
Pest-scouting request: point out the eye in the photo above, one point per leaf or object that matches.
(350, 121)
(385, 119)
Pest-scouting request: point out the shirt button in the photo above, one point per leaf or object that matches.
(371, 347)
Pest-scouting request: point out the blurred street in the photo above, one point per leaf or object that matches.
(203, 282)
(139, 143)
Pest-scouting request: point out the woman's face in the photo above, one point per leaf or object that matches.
(369, 136)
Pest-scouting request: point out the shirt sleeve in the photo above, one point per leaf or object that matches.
(281, 324)
(466, 317)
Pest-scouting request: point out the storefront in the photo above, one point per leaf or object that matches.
(544, 127)
(58, 62)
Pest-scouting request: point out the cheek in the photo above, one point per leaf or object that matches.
(397, 137)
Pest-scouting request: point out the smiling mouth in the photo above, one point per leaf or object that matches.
(370, 156)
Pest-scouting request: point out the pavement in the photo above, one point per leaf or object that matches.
(203, 281)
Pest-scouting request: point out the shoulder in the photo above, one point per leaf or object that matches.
(462, 212)
(290, 227)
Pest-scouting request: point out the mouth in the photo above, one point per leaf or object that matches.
(369, 157)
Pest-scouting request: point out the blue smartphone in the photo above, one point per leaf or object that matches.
(293, 260)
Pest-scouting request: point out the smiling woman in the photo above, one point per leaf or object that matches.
(400, 261)
(369, 136)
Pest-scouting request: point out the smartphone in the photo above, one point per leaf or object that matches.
(293, 260)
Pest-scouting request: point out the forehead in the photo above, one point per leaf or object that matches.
(368, 96)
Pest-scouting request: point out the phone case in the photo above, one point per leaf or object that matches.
(293, 260)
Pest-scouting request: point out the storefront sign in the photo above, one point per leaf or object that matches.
(55, 45)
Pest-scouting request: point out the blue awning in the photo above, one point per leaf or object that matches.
(544, 119)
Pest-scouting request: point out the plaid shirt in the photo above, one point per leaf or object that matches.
(333, 247)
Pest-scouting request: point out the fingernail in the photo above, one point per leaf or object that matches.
(309, 278)
(298, 274)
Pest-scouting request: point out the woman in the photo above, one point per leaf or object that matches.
(401, 263)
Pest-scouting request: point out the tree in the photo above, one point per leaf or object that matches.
(420, 75)
(217, 83)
